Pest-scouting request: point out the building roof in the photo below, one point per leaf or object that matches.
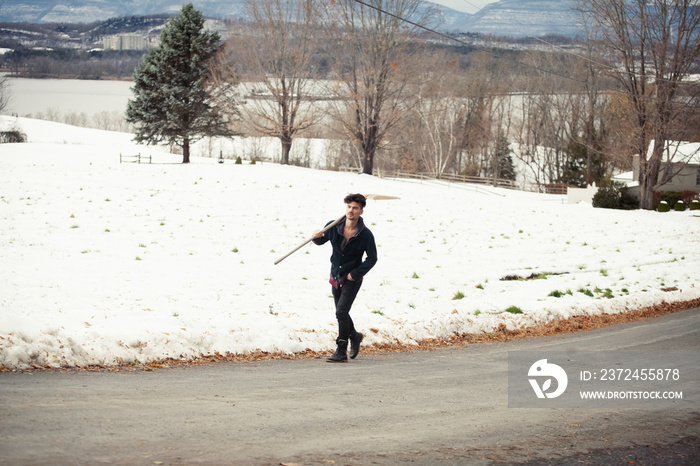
(680, 152)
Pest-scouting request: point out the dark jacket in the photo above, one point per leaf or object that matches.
(349, 259)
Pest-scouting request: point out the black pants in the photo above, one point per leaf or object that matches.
(344, 297)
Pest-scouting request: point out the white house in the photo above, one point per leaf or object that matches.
(681, 164)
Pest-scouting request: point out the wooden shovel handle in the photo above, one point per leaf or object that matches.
(325, 229)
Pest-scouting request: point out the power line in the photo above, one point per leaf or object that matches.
(470, 3)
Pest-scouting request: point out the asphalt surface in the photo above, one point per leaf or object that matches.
(448, 406)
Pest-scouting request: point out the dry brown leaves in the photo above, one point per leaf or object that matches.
(556, 327)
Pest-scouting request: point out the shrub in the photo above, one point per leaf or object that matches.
(663, 207)
(679, 206)
(671, 197)
(238, 161)
(613, 195)
(694, 204)
(13, 136)
(688, 196)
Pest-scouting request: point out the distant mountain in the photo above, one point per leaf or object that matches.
(507, 17)
(520, 18)
(87, 11)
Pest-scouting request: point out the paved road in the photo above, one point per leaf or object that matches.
(447, 406)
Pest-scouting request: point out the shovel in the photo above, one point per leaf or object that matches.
(376, 197)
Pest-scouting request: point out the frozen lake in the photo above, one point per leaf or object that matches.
(32, 96)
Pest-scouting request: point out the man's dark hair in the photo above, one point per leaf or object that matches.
(359, 198)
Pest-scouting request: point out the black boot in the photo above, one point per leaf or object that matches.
(340, 354)
(355, 344)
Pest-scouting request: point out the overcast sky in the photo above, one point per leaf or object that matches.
(469, 6)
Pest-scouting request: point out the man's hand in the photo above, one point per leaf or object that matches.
(350, 277)
(317, 234)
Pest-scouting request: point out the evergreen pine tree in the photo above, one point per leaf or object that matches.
(503, 160)
(576, 165)
(172, 102)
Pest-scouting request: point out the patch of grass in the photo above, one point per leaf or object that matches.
(514, 310)
(415, 275)
(586, 292)
(480, 286)
(458, 295)
(234, 250)
(559, 294)
(604, 272)
(533, 276)
(378, 312)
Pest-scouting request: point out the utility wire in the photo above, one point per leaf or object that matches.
(471, 4)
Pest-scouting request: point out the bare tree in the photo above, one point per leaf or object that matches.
(277, 53)
(435, 114)
(486, 112)
(4, 92)
(595, 103)
(652, 47)
(369, 45)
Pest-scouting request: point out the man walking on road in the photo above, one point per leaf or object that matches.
(350, 240)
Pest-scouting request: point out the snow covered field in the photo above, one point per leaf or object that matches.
(104, 263)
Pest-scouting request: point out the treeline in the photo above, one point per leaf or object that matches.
(572, 113)
(463, 110)
(105, 120)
